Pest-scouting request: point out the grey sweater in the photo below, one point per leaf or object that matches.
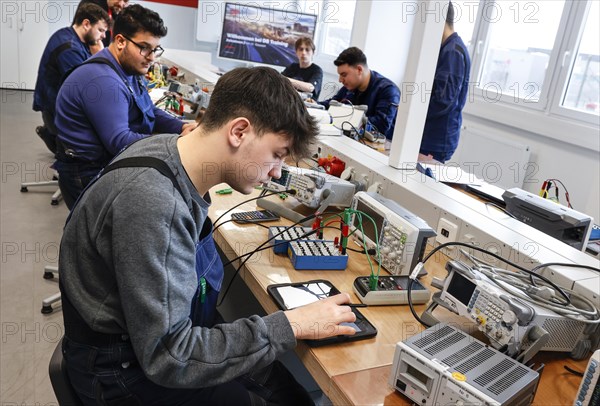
(127, 264)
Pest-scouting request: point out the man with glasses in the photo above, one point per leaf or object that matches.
(103, 105)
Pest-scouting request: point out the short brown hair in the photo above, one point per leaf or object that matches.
(91, 12)
(268, 100)
(305, 41)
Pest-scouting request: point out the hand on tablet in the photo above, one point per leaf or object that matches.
(322, 318)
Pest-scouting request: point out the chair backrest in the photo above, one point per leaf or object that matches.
(64, 392)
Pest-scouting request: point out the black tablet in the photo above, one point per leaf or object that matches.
(291, 295)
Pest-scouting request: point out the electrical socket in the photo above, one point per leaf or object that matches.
(446, 231)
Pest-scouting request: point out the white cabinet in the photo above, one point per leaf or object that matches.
(24, 31)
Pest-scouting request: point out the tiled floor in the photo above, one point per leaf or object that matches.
(30, 230)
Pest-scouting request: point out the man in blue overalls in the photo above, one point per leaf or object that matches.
(103, 105)
(66, 49)
(448, 96)
(140, 275)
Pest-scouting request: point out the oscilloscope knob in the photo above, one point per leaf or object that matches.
(509, 317)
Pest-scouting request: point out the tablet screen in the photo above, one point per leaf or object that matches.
(301, 294)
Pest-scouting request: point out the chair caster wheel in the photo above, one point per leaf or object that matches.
(24, 189)
(48, 275)
(47, 309)
(54, 202)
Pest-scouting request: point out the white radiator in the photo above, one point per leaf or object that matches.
(493, 158)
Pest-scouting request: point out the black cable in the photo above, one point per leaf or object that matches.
(410, 304)
(248, 255)
(571, 370)
(566, 265)
(462, 244)
(249, 222)
(351, 125)
(540, 266)
(307, 234)
(371, 251)
(527, 271)
(215, 226)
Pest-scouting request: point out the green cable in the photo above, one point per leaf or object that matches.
(373, 279)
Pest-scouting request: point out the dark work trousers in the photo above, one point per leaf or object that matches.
(48, 131)
(74, 173)
(111, 375)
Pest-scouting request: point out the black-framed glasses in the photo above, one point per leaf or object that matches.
(146, 51)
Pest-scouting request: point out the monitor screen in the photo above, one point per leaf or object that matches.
(461, 288)
(367, 225)
(263, 35)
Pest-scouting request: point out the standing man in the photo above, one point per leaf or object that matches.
(305, 75)
(365, 86)
(140, 274)
(448, 97)
(113, 8)
(103, 106)
(66, 48)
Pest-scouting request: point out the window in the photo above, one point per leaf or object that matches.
(583, 87)
(520, 42)
(534, 57)
(335, 22)
(465, 15)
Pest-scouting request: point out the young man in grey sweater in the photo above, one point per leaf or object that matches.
(140, 274)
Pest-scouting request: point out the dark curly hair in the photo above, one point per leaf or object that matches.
(135, 18)
(352, 56)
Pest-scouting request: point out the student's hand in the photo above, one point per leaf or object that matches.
(322, 318)
(188, 128)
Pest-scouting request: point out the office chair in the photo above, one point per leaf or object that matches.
(56, 197)
(64, 392)
(49, 272)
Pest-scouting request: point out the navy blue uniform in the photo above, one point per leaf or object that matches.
(63, 52)
(381, 96)
(448, 97)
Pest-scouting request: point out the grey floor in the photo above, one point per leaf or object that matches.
(30, 229)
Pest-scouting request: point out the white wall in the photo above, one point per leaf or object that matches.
(383, 33)
(181, 25)
(25, 27)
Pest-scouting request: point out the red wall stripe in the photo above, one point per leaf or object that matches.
(184, 3)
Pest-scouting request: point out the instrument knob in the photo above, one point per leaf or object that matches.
(509, 317)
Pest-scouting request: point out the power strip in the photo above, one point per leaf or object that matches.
(589, 389)
(316, 255)
(391, 290)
